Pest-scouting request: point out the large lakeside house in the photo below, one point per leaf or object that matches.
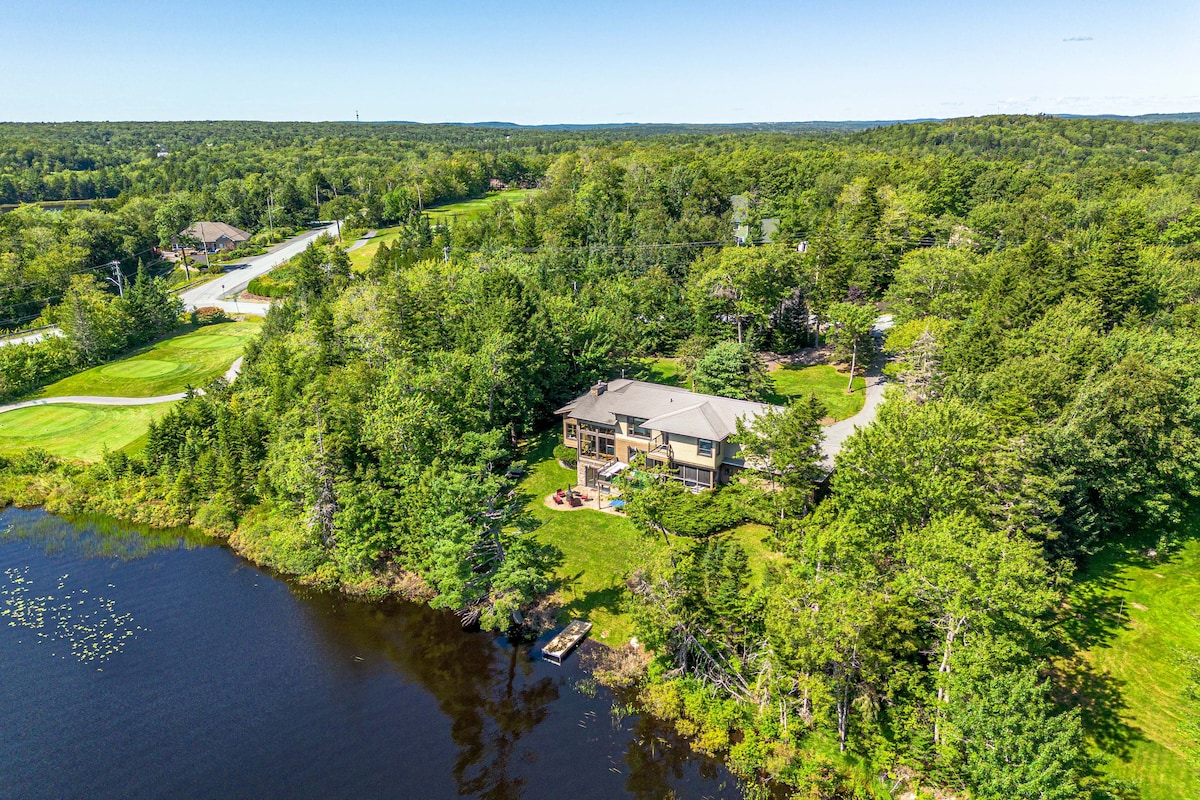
(686, 432)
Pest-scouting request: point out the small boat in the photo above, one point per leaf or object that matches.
(566, 641)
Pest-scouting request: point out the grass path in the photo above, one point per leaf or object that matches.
(171, 365)
(76, 431)
(1142, 617)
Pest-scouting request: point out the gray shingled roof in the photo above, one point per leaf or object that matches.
(665, 408)
(209, 232)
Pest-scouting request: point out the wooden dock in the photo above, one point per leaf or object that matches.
(566, 641)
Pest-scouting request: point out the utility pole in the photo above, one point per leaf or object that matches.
(117, 278)
(271, 210)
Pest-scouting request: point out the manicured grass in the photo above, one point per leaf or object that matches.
(599, 550)
(76, 431)
(664, 371)
(360, 259)
(456, 212)
(171, 365)
(1142, 616)
(753, 539)
(825, 382)
(448, 214)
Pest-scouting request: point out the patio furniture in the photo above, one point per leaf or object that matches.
(574, 502)
(558, 500)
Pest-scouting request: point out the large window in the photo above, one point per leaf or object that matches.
(572, 430)
(636, 429)
(597, 445)
(695, 476)
(704, 447)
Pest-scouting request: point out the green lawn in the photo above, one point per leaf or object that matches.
(664, 371)
(453, 212)
(171, 365)
(76, 431)
(600, 549)
(360, 259)
(1141, 617)
(823, 380)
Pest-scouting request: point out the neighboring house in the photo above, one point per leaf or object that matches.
(684, 431)
(214, 236)
(742, 223)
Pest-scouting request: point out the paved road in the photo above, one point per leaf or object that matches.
(236, 280)
(33, 337)
(97, 400)
(230, 283)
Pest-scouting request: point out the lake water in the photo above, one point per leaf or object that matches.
(143, 664)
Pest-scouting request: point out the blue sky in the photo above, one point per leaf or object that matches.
(538, 62)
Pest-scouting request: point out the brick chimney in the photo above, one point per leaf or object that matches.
(598, 389)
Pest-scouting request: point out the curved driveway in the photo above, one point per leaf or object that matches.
(837, 433)
(98, 400)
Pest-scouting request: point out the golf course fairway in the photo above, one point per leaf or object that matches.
(76, 432)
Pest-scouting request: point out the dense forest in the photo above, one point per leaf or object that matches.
(1044, 278)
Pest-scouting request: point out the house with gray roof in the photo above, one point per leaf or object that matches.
(213, 236)
(685, 432)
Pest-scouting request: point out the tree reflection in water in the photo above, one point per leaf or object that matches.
(496, 697)
(93, 536)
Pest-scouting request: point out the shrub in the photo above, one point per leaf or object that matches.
(208, 315)
(707, 513)
(266, 286)
(567, 455)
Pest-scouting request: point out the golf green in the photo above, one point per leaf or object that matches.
(139, 368)
(201, 341)
(192, 358)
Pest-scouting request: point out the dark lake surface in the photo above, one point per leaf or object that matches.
(147, 664)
